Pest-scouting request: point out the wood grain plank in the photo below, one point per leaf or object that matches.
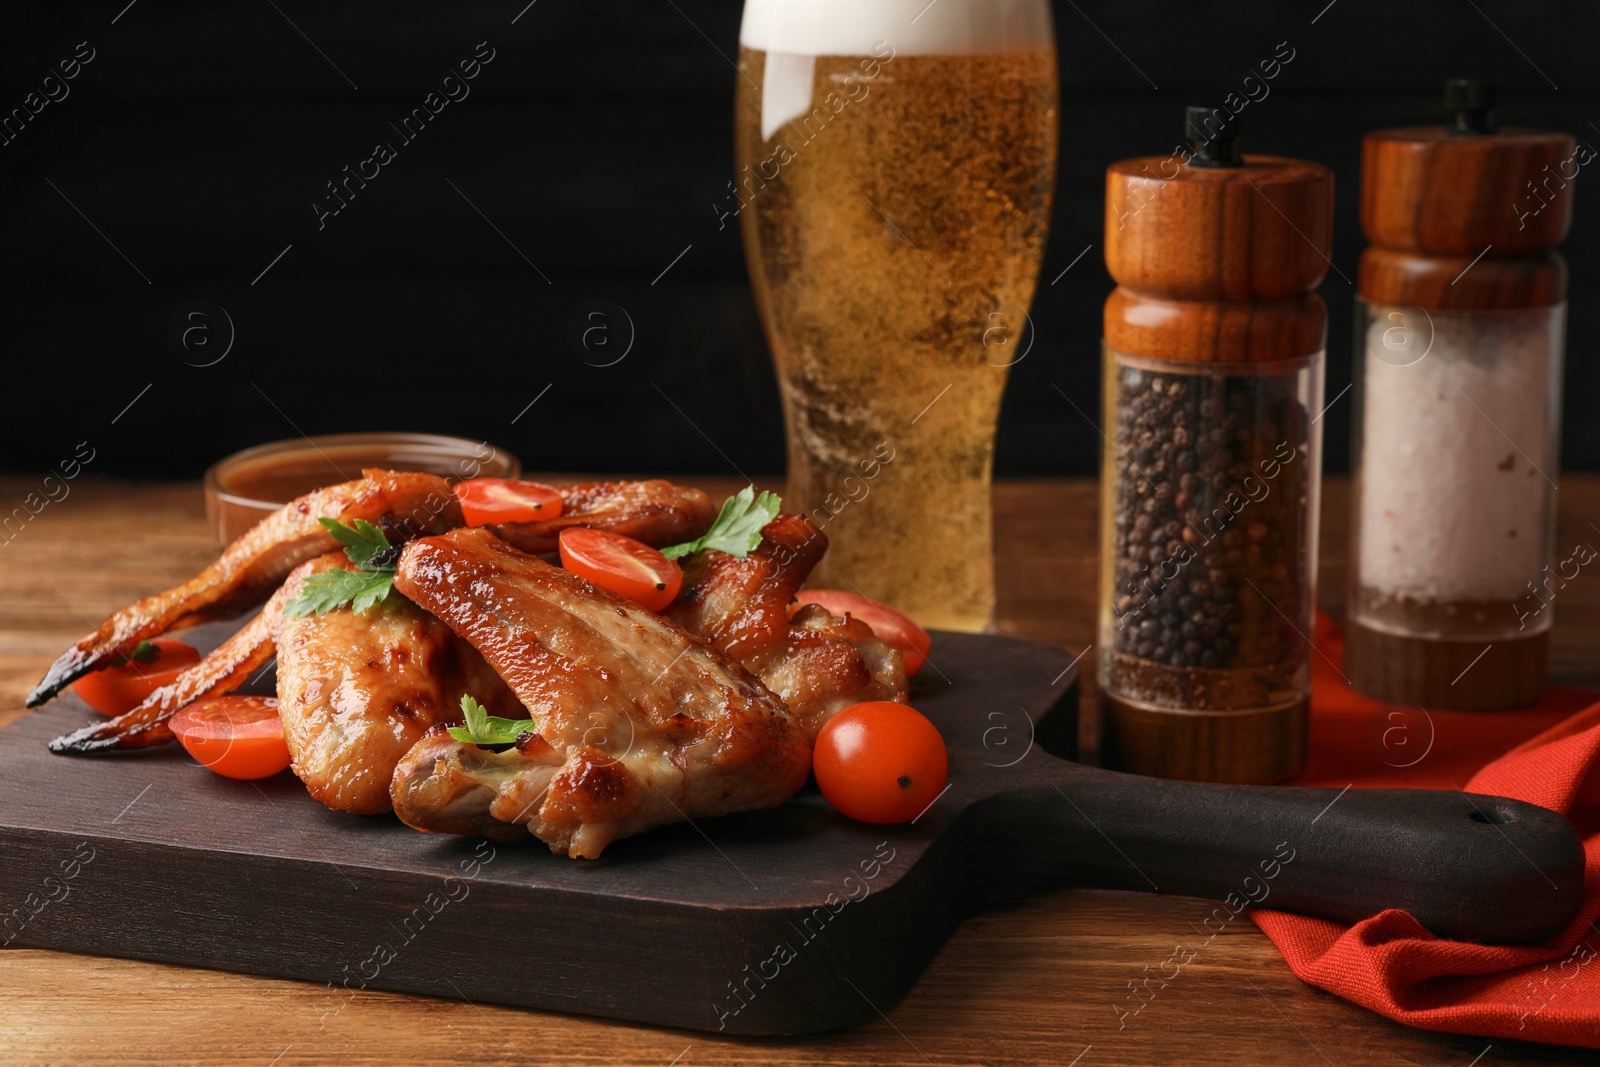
(1030, 983)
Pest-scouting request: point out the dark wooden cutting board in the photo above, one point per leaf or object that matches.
(777, 922)
(194, 869)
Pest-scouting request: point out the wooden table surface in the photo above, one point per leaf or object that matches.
(1032, 983)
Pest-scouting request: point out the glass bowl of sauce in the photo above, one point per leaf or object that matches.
(247, 486)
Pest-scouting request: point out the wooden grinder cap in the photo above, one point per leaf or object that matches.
(1436, 198)
(1216, 255)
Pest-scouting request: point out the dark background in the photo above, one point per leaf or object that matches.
(596, 143)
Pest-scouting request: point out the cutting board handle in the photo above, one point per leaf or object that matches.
(1468, 867)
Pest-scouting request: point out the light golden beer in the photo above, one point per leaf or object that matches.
(894, 199)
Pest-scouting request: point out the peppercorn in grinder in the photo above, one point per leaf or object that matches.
(1213, 376)
(1454, 569)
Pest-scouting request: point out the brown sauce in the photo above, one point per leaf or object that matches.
(244, 489)
(280, 480)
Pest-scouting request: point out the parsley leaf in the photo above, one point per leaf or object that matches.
(485, 729)
(322, 593)
(737, 530)
(362, 542)
(369, 584)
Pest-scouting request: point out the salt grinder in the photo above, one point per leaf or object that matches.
(1214, 343)
(1454, 568)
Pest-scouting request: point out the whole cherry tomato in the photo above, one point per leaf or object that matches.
(880, 762)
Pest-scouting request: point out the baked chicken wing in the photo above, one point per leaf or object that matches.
(404, 504)
(816, 662)
(356, 691)
(655, 512)
(228, 667)
(639, 722)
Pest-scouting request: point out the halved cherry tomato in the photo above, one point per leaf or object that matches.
(114, 690)
(487, 500)
(896, 628)
(626, 567)
(235, 736)
(880, 762)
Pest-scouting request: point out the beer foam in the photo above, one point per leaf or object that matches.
(910, 27)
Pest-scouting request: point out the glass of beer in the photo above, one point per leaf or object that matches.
(896, 161)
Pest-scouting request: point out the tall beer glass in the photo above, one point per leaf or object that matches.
(896, 160)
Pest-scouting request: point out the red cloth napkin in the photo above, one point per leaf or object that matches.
(1548, 755)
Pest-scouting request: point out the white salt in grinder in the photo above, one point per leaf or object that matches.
(1454, 570)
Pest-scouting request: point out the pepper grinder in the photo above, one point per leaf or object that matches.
(1453, 566)
(1213, 368)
